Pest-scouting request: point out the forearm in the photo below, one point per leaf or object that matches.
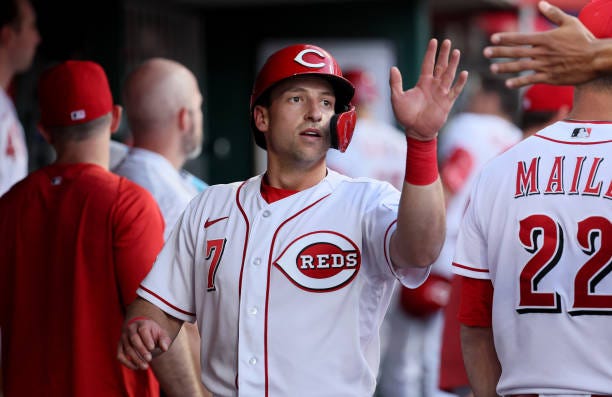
(420, 232)
(143, 308)
(480, 359)
(178, 369)
(602, 57)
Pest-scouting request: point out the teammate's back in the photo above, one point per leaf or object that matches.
(76, 241)
(65, 230)
(544, 207)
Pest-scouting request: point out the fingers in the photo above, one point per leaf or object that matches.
(138, 340)
(131, 356)
(427, 68)
(451, 69)
(442, 62)
(514, 66)
(516, 38)
(508, 52)
(395, 81)
(458, 87)
(552, 13)
(527, 79)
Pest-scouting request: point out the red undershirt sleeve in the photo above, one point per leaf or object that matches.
(476, 302)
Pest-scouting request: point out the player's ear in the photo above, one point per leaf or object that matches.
(184, 119)
(6, 34)
(116, 118)
(562, 113)
(261, 118)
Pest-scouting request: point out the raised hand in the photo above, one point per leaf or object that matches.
(141, 340)
(562, 56)
(423, 109)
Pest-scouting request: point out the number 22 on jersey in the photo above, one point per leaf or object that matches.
(598, 265)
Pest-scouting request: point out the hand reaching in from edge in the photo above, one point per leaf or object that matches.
(141, 340)
(423, 109)
(562, 56)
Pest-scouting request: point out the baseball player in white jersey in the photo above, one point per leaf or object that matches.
(535, 250)
(13, 150)
(289, 273)
(19, 39)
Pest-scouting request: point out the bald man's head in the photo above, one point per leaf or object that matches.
(154, 93)
(163, 105)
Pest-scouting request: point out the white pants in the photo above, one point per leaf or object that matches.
(410, 362)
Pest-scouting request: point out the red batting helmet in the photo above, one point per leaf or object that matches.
(308, 60)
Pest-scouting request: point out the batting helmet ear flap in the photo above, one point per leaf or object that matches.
(341, 128)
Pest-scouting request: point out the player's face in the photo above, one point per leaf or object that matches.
(297, 128)
(25, 38)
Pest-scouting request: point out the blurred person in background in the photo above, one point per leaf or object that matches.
(19, 39)
(163, 105)
(485, 128)
(378, 148)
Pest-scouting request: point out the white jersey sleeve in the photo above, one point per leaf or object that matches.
(13, 150)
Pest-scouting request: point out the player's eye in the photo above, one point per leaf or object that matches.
(327, 103)
(295, 99)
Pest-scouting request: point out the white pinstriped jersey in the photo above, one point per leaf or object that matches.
(539, 226)
(288, 296)
(13, 150)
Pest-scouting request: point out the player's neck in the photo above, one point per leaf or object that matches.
(167, 148)
(295, 179)
(591, 104)
(84, 152)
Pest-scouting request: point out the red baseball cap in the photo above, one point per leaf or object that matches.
(365, 85)
(73, 92)
(597, 17)
(547, 98)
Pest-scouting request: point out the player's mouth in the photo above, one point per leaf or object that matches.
(312, 133)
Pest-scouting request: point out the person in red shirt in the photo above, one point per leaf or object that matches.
(76, 242)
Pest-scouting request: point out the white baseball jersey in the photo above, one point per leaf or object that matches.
(156, 174)
(13, 149)
(377, 150)
(288, 296)
(539, 227)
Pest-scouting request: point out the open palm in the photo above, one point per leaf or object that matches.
(423, 109)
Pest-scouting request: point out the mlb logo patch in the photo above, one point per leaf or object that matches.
(581, 132)
(77, 115)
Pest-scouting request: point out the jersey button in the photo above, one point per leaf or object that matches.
(252, 361)
(257, 261)
(253, 311)
(266, 213)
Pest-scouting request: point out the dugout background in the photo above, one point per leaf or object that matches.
(218, 41)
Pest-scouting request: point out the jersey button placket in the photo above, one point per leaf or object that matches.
(252, 301)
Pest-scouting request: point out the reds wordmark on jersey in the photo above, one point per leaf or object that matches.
(292, 277)
(539, 227)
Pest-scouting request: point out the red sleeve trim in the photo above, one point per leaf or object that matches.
(472, 269)
(166, 302)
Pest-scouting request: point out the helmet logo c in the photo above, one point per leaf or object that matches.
(299, 58)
